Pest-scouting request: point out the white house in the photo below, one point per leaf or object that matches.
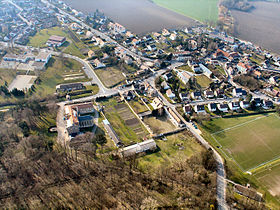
(244, 104)
(183, 76)
(199, 109)
(223, 107)
(170, 94)
(234, 106)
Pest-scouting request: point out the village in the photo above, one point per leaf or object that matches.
(150, 86)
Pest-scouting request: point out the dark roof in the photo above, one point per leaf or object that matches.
(85, 118)
(197, 93)
(223, 106)
(213, 106)
(200, 107)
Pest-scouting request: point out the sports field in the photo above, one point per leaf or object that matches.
(269, 176)
(250, 141)
(202, 10)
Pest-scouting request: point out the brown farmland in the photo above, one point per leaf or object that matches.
(139, 16)
(261, 26)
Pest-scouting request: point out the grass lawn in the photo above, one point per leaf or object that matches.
(7, 75)
(138, 106)
(124, 122)
(159, 124)
(186, 68)
(72, 47)
(177, 147)
(55, 74)
(249, 141)
(203, 81)
(202, 10)
(110, 76)
(269, 177)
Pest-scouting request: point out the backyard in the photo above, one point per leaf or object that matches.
(72, 46)
(126, 125)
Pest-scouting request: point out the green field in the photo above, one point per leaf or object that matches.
(57, 71)
(203, 81)
(249, 141)
(72, 47)
(176, 148)
(202, 10)
(124, 122)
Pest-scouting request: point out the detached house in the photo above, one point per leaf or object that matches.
(238, 92)
(170, 94)
(212, 107)
(234, 106)
(223, 107)
(199, 109)
(244, 104)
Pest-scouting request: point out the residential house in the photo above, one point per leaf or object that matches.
(199, 109)
(243, 68)
(234, 106)
(170, 94)
(223, 107)
(257, 102)
(129, 95)
(244, 104)
(173, 37)
(152, 47)
(157, 104)
(184, 96)
(212, 107)
(267, 104)
(238, 92)
(98, 64)
(209, 94)
(168, 76)
(219, 93)
(196, 95)
(165, 32)
(91, 54)
(85, 108)
(187, 109)
(274, 80)
(164, 85)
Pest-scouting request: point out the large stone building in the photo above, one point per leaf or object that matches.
(75, 118)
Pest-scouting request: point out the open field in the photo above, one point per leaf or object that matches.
(138, 16)
(127, 126)
(203, 81)
(159, 124)
(72, 46)
(202, 10)
(186, 68)
(7, 75)
(243, 139)
(177, 147)
(137, 105)
(110, 76)
(55, 74)
(260, 26)
(22, 82)
(270, 178)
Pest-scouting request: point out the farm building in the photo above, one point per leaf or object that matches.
(149, 145)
